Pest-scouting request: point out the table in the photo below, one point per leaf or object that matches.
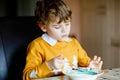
(109, 74)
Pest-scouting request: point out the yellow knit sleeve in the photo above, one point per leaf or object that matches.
(83, 58)
(35, 61)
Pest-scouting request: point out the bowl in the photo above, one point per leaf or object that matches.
(82, 75)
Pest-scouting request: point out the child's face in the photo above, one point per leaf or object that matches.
(58, 31)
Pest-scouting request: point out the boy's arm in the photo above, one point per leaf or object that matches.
(35, 66)
(83, 58)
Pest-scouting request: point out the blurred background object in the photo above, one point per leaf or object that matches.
(17, 7)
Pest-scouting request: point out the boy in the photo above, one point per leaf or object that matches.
(55, 48)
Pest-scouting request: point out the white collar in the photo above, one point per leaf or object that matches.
(50, 40)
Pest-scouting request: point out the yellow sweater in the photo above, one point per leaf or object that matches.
(39, 51)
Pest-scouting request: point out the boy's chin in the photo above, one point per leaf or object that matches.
(61, 40)
(64, 39)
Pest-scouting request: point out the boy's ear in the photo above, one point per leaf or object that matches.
(42, 27)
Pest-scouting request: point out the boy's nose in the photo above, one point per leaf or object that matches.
(63, 28)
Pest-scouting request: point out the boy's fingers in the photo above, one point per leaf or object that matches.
(99, 59)
(95, 57)
(100, 64)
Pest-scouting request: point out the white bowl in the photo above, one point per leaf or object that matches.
(76, 75)
(83, 76)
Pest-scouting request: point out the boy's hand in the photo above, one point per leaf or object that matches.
(56, 63)
(96, 63)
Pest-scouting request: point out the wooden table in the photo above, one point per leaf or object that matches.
(109, 74)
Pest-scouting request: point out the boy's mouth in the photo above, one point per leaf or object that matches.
(64, 36)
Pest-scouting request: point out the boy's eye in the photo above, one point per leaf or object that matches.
(67, 24)
(57, 27)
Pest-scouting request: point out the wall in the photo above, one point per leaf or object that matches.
(101, 30)
(75, 7)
